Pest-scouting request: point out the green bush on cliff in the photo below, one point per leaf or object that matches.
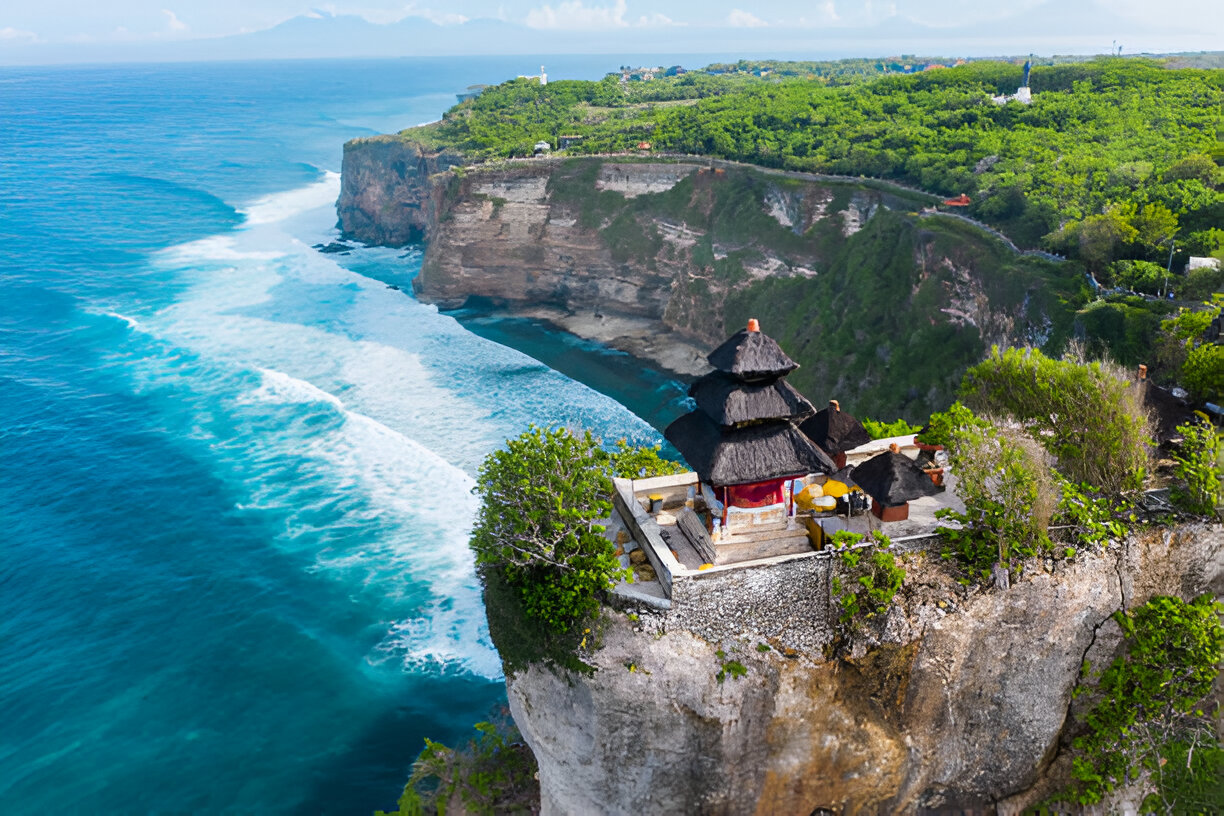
(493, 773)
(544, 497)
(1087, 414)
(1197, 470)
(1149, 710)
(1008, 491)
(865, 581)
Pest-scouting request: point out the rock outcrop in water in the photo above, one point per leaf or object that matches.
(958, 703)
(884, 307)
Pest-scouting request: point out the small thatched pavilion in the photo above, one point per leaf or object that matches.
(742, 439)
(892, 480)
(835, 432)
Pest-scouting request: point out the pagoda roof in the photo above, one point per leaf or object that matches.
(755, 453)
(892, 478)
(729, 401)
(834, 430)
(751, 354)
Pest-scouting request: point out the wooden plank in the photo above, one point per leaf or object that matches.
(645, 531)
(692, 528)
(660, 483)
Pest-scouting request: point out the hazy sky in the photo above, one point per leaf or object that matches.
(99, 21)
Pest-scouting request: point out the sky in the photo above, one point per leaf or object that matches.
(25, 23)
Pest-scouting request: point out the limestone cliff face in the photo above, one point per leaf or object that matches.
(389, 190)
(956, 702)
(884, 306)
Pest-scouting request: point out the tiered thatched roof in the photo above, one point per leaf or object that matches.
(756, 453)
(750, 354)
(729, 401)
(892, 478)
(834, 430)
(743, 429)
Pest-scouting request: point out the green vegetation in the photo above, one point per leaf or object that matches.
(1113, 159)
(494, 773)
(1094, 519)
(1087, 414)
(884, 430)
(1197, 473)
(1182, 354)
(540, 550)
(729, 668)
(632, 462)
(543, 498)
(865, 581)
(1148, 714)
(1009, 495)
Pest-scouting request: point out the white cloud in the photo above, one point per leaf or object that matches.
(656, 20)
(828, 10)
(574, 14)
(12, 34)
(173, 22)
(744, 19)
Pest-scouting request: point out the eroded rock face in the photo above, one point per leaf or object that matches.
(946, 710)
(388, 190)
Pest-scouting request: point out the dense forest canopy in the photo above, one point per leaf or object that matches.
(1113, 160)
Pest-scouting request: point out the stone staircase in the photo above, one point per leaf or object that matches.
(763, 541)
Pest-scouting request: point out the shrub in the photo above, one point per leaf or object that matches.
(865, 580)
(1139, 276)
(543, 498)
(1094, 519)
(630, 462)
(1008, 491)
(939, 428)
(883, 430)
(1196, 469)
(494, 773)
(1203, 372)
(1147, 707)
(1087, 414)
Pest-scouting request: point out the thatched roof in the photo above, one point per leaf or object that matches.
(751, 355)
(756, 453)
(892, 478)
(834, 430)
(728, 401)
(1167, 411)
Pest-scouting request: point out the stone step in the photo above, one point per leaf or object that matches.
(764, 533)
(761, 528)
(743, 548)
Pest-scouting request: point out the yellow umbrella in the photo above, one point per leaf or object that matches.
(835, 488)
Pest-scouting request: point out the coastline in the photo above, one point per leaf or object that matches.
(625, 358)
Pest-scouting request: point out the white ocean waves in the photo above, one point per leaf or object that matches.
(353, 416)
(280, 206)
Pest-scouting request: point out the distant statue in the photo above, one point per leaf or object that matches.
(1028, 66)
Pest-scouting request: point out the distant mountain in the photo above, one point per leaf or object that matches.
(1057, 26)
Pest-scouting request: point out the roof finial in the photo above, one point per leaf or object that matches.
(834, 405)
(753, 325)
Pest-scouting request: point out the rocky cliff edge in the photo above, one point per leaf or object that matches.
(959, 702)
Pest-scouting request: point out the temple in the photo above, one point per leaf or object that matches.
(742, 438)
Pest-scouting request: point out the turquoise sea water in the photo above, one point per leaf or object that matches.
(234, 473)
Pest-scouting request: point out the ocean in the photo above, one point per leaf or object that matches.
(235, 473)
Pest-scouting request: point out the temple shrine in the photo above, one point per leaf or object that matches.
(742, 439)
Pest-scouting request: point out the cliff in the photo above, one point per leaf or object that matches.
(957, 702)
(386, 195)
(883, 306)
